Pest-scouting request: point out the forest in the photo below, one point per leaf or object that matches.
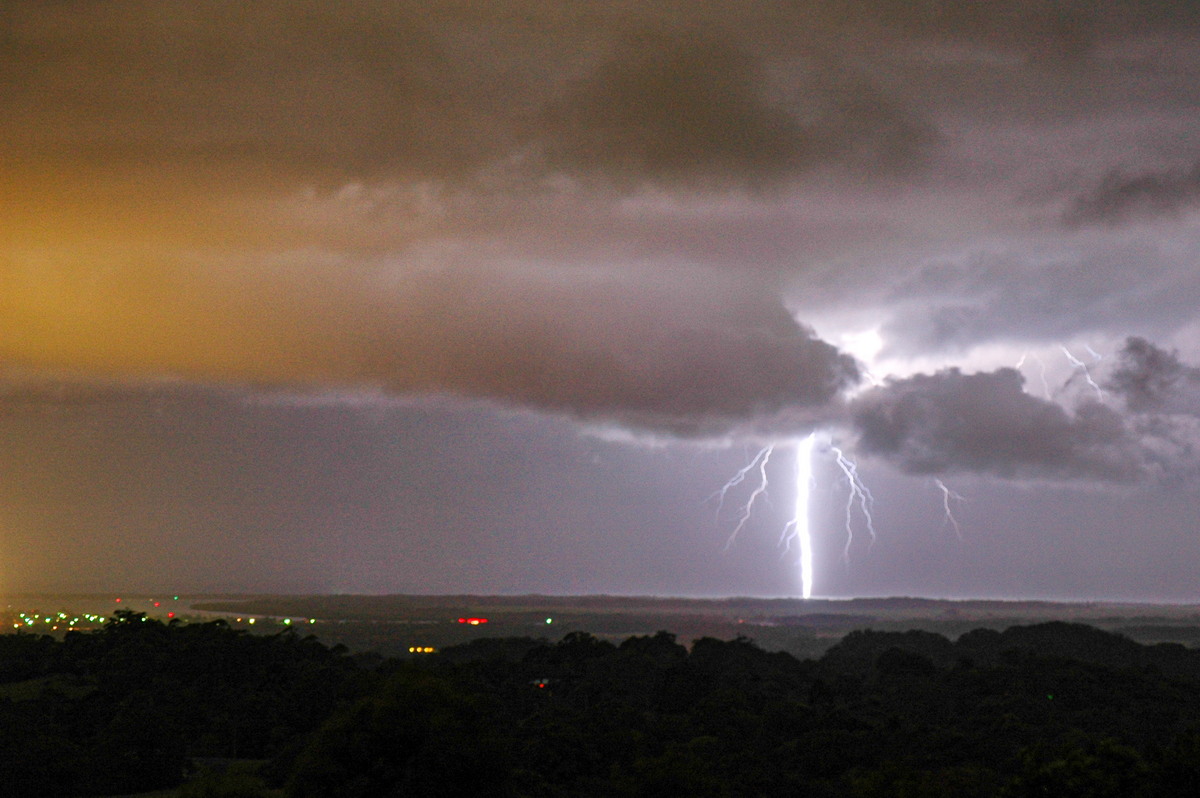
(202, 710)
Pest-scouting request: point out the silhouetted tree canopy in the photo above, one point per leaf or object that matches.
(1050, 709)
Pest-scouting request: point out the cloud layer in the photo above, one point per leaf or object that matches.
(603, 211)
(655, 357)
(1144, 424)
(985, 423)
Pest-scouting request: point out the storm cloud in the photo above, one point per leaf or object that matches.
(601, 211)
(1141, 422)
(1121, 197)
(950, 422)
(626, 92)
(654, 357)
(1154, 380)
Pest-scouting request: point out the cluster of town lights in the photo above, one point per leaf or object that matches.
(35, 620)
(28, 620)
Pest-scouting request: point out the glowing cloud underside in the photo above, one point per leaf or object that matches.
(803, 535)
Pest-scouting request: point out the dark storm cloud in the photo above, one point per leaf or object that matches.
(696, 107)
(441, 90)
(630, 91)
(662, 108)
(1155, 380)
(653, 356)
(1121, 197)
(359, 89)
(950, 422)
(688, 359)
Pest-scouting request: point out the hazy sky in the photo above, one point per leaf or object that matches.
(495, 296)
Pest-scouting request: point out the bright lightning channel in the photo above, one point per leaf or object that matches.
(947, 496)
(800, 523)
(1082, 367)
(798, 529)
(761, 459)
(736, 479)
(1042, 368)
(857, 491)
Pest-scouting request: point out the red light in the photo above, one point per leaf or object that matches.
(156, 604)
(460, 620)
(118, 601)
(473, 621)
(170, 615)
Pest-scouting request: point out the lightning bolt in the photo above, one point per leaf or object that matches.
(871, 378)
(857, 492)
(1041, 366)
(798, 529)
(761, 459)
(800, 522)
(1082, 367)
(737, 478)
(947, 496)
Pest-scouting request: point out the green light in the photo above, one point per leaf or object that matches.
(549, 620)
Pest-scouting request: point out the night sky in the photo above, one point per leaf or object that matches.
(494, 297)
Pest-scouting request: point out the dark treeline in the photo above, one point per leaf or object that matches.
(1052, 709)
